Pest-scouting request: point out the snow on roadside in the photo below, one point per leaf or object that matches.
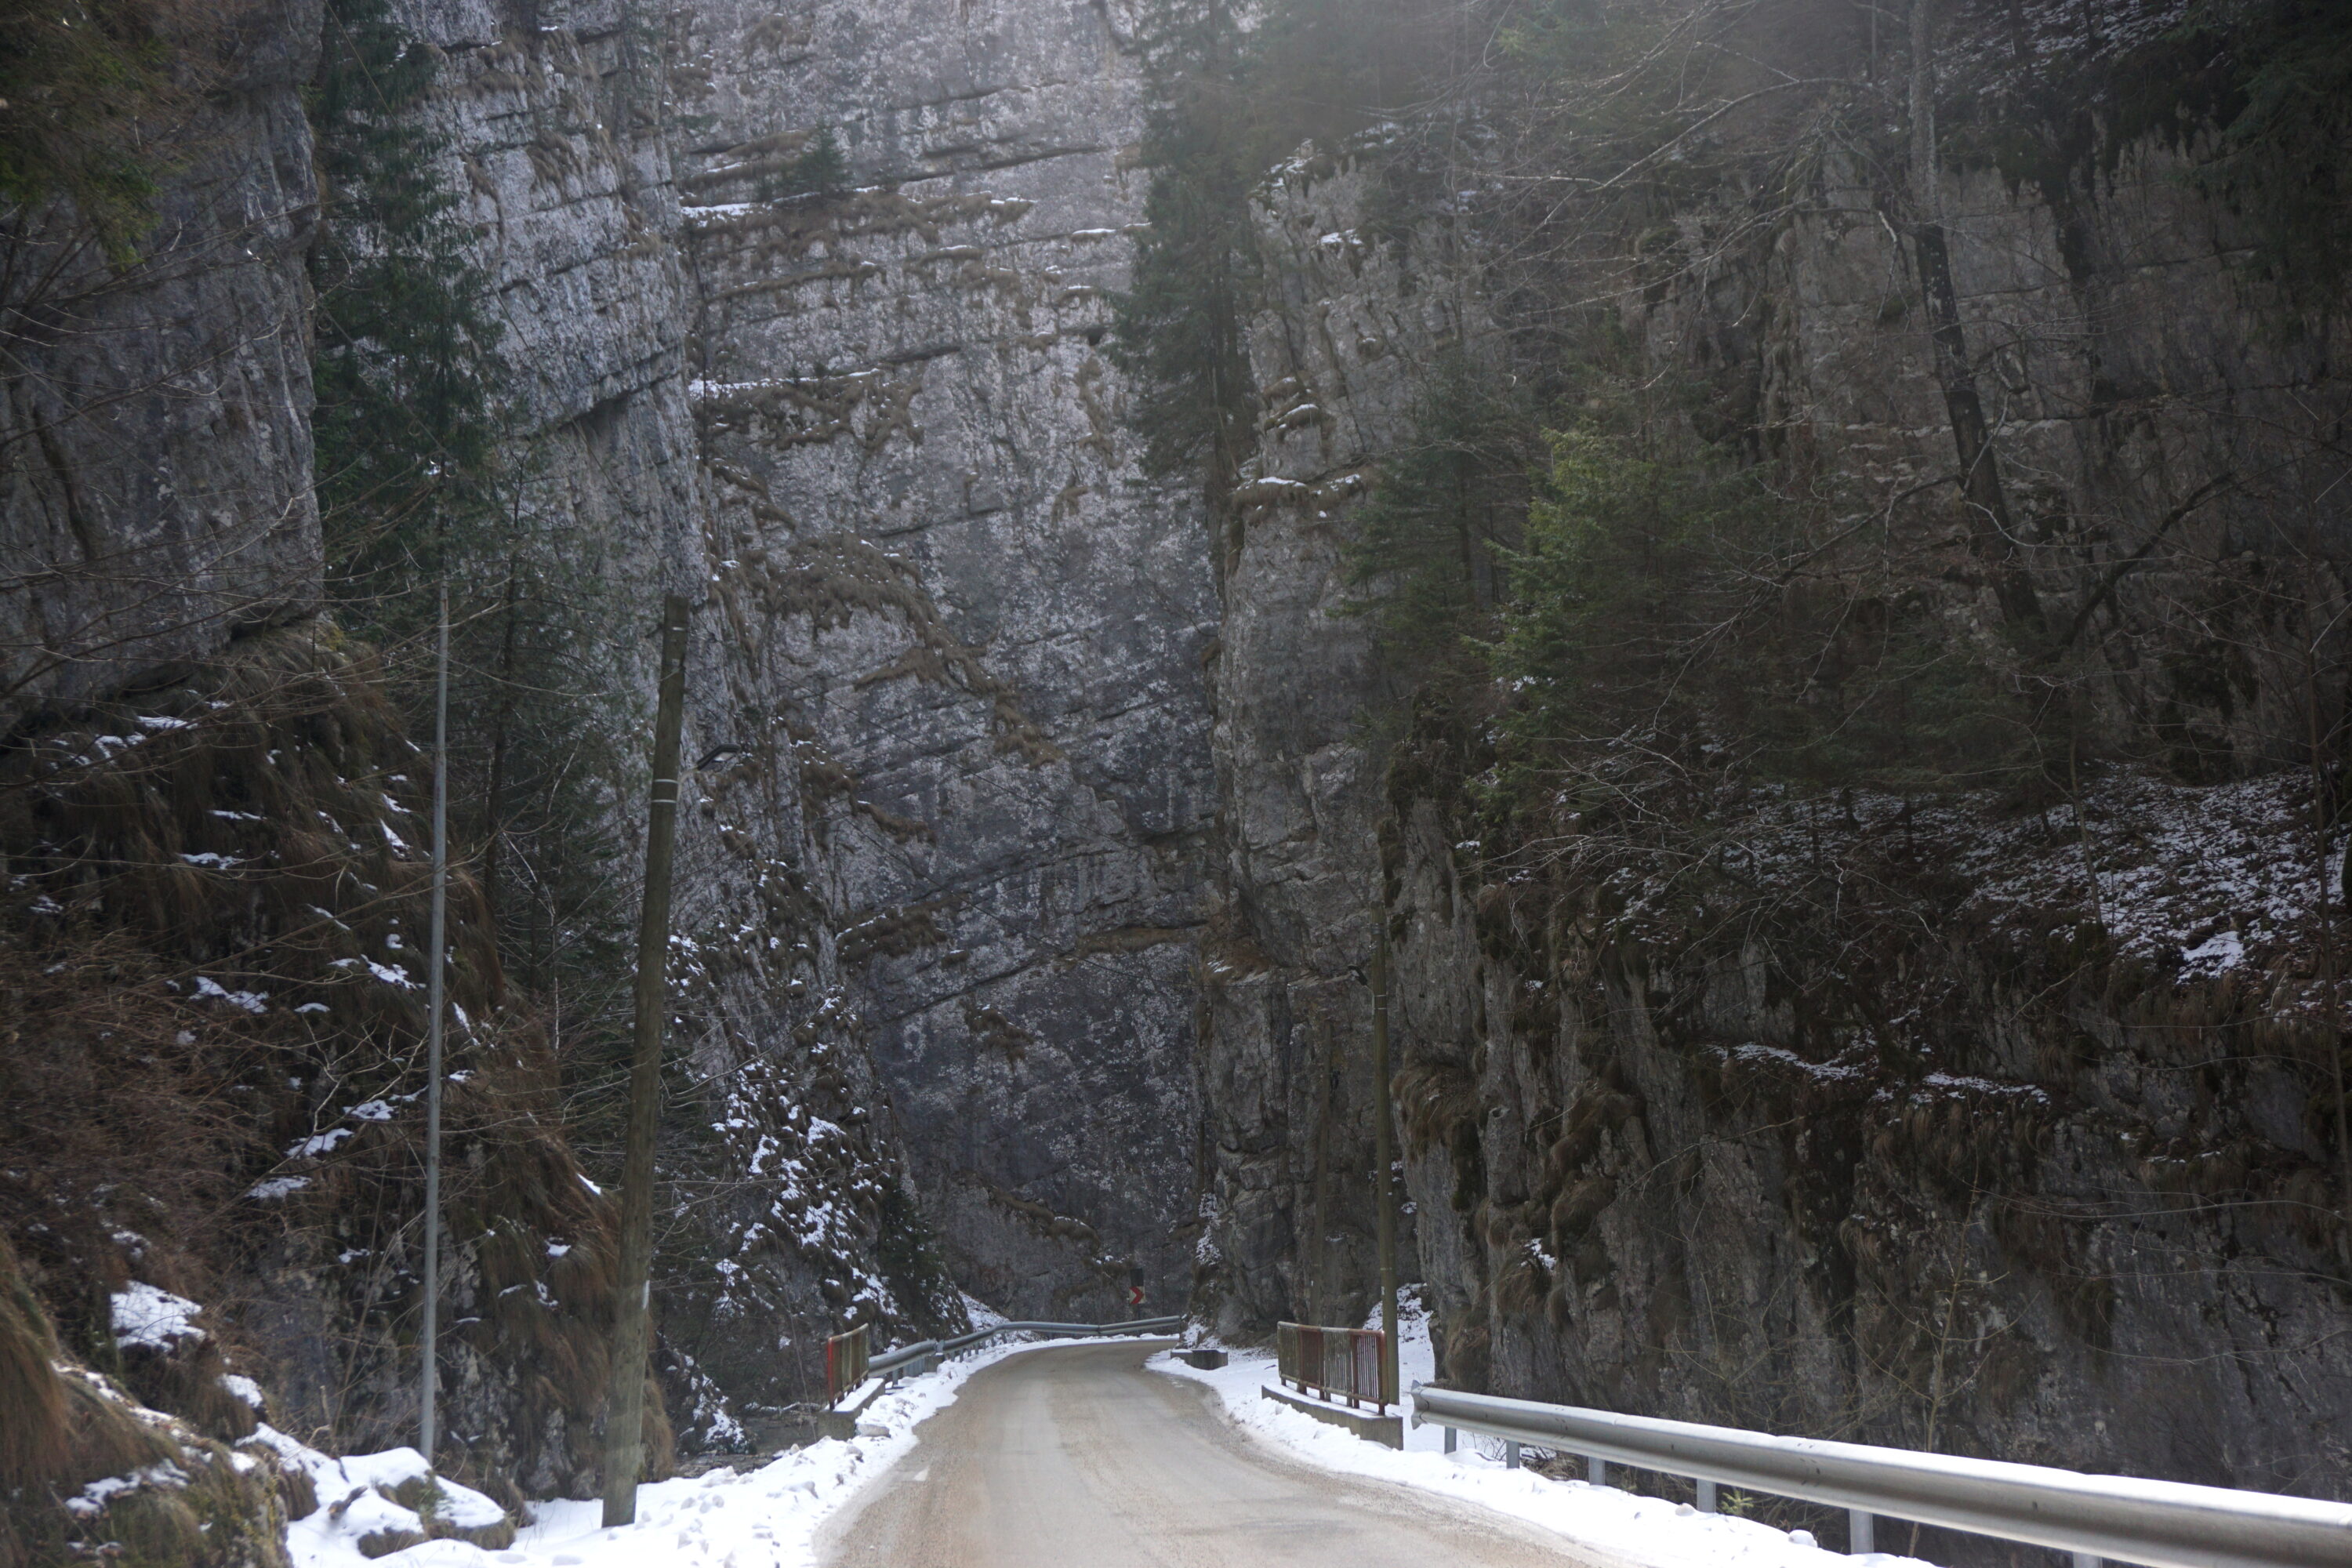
(350, 1507)
(763, 1518)
(1633, 1529)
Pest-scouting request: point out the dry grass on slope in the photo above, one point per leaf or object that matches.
(84, 1471)
(212, 929)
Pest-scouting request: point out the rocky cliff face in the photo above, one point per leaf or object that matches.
(1038, 830)
(946, 693)
(1337, 355)
(941, 872)
(962, 637)
(1923, 1124)
(155, 494)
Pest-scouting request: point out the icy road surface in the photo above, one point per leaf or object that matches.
(1080, 1455)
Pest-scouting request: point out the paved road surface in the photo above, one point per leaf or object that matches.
(1080, 1459)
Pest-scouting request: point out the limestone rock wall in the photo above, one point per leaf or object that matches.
(554, 125)
(154, 443)
(1651, 1167)
(959, 632)
(1336, 351)
(941, 869)
(938, 876)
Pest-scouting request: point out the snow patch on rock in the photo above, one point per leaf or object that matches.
(150, 1318)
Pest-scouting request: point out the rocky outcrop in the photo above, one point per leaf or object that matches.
(1666, 1166)
(938, 887)
(960, 638)
(155, 495)
(1981, 1125)
(1337, 355)
(90, 1468)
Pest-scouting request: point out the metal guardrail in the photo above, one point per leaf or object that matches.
(1346, 1362)
(932, 1352)
(848, 1364)
(2166, 1524)
(847, 1358)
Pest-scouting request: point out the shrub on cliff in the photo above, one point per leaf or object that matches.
(90, 94)
(1671, 602)
(819, 169)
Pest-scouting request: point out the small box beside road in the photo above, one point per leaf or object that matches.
(1204, 1357)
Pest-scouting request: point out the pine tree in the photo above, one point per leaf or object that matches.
(1179, 327)
(424, 474)
(406, 364)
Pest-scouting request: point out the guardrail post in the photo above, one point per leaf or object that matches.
(1859, 1533)
(1449, 1439)
(1706, 1498)
(1596, 1469)
(1510, 1453)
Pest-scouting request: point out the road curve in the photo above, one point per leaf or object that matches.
(1078, 1457)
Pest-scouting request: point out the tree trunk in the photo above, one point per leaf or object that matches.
(1992, 532)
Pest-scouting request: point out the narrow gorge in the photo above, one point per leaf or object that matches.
(1786, 558)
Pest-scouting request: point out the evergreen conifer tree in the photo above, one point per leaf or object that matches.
(424, 472)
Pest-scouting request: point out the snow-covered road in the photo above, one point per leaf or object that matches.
(1080, 1455)
(1109, 1451)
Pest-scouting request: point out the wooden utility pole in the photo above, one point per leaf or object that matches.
(1384, 1182)
(625, 1401)
(436, 960)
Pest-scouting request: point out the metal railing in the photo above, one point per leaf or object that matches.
(933, 1351)
(1345, 1361)
(847, 1362)
(2166, 1524)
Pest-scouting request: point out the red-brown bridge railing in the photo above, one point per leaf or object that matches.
(1345, 1363)
(845, 1359)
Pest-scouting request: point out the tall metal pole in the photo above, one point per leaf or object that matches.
(625, 1401)
(428, 1337)
(1383, 1181)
